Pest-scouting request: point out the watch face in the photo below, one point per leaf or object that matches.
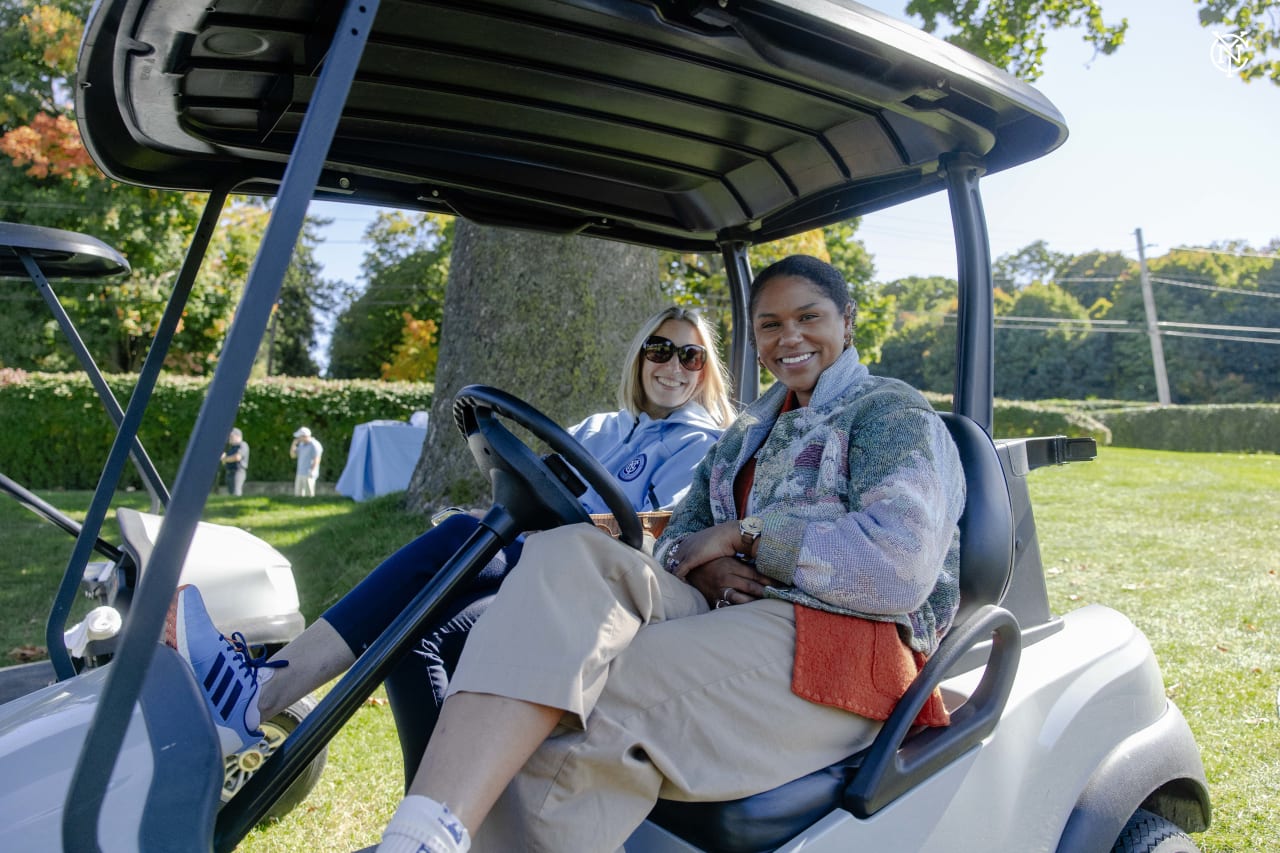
(751, 526)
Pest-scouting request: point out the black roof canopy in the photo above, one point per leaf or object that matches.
(663, 122)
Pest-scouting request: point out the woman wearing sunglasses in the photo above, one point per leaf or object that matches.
(799, 586)
(673, 408)
(674, 405)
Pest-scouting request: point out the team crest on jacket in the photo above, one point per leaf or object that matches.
(632, 469)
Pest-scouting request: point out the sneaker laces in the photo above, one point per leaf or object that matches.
(240, 646)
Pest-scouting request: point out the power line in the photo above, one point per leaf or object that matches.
(1233, 290)
(1018, 318)
(1240, 338)
(1264, 329)
(1111, 331)
(1008, 321)
(1272, 257)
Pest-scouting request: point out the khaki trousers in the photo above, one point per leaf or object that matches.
(664, 696)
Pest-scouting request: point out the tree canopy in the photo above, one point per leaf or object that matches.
(389, 329)
(304, 297)
(47, 178)
(1257, 22)
(1011, 33)
(1077, 327)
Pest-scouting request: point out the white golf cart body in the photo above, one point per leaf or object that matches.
(680, 124)
(245, 582)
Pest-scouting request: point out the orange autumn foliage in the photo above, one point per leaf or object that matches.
(415, 356)
(56, 33)
(49, 145)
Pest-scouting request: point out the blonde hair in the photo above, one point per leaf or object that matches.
(713, 385)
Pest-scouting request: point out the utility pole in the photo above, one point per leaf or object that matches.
(1153, 327)
(270, 345)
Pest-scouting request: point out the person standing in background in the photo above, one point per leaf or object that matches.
(307, 450)
(235, 462)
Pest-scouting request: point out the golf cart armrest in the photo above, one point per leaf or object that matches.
(892, 765)
(1028, 454)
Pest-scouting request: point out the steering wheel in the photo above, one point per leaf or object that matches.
(539, 492)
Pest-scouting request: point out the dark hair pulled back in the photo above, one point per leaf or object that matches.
(821, 274)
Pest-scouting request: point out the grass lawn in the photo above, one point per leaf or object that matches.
(1187, 545)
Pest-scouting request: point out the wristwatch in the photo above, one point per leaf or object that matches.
(750, 529)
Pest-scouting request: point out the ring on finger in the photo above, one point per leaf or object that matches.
(724, 598)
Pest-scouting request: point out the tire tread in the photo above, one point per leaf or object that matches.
(1147, 832)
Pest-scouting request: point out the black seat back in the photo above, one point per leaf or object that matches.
(986, 525)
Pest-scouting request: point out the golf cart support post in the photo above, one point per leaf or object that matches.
(217, 416)
(44, 253)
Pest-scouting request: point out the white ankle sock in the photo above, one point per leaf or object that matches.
(421, 825)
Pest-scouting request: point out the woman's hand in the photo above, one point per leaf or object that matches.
(728, 580)
(697, 549)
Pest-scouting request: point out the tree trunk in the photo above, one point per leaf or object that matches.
(546, 318)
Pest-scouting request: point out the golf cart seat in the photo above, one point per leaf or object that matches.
(868, 780)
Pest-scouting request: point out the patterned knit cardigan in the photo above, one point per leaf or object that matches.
(860, 492)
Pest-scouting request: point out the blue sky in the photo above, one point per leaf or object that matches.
(1160, 139)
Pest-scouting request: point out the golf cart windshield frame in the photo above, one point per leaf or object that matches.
(944, 116)
(40, 254)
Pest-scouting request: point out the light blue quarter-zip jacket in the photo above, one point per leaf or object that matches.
(652, 460)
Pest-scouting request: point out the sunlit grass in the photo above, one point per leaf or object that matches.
(1188, 546)
(363, 781)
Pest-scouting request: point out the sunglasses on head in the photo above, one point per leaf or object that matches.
(659, 350)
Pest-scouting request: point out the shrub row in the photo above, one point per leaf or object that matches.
(1204, 429)
(1253, 428)
(1019, 418)
(57, 433)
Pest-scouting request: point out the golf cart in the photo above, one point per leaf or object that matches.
(248, 584)
(680, 124)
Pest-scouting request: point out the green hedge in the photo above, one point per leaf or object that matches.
(57, 433)
(1018, 419)
(1252, 428)
(1206, 429)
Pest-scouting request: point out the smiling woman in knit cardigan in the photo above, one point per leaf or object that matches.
(798, 588)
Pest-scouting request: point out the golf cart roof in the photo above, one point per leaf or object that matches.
(672, 123)
(56, 253)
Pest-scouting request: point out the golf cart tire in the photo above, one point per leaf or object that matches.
(276, 729)
(1147, 832)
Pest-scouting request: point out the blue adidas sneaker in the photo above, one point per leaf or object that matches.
(226, 670)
